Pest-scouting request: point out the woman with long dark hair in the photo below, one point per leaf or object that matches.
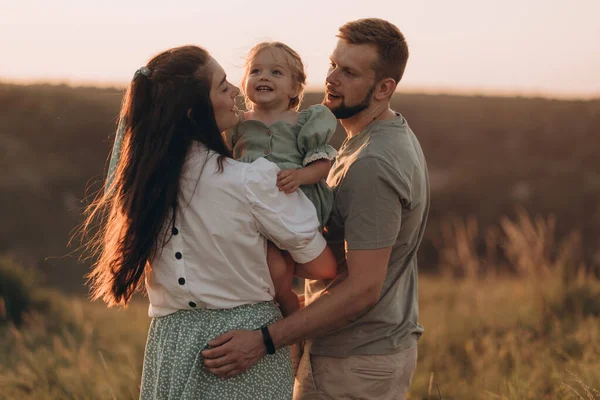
(180, 215)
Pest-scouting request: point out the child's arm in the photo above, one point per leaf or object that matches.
(289, 180)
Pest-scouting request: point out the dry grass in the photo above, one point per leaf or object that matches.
(534, 334)
(530, 334)
(98, 357)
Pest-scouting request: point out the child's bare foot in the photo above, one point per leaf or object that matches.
(296, 353)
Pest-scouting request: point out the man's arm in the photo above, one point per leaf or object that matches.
(337, 307)
(236, 351)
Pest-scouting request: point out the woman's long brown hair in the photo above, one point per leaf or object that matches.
(163, 114)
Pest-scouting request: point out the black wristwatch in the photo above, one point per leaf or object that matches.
(267, 339)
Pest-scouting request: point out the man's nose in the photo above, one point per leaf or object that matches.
(332, 77)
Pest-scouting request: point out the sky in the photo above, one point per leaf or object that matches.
(514, 47)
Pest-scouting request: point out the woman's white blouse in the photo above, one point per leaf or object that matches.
(216, 255)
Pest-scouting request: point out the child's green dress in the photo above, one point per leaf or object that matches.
(290, 147)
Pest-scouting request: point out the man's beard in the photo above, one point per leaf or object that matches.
(345, 112)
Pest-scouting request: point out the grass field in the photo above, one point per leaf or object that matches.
(486, 156)
(532, 335)
(510, 305)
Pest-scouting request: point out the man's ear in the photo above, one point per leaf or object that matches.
(189, 113)
(385, 89)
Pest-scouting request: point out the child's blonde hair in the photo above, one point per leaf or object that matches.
(294, 62)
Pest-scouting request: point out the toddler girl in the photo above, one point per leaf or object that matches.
(297, 141)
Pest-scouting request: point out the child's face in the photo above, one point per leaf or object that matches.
(270, 82)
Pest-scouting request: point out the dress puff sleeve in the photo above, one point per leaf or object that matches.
(316, 125)
(287, 220)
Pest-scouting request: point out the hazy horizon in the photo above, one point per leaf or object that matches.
(532, 49)
(442, 91)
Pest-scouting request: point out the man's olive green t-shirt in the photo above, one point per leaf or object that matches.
(381, 190)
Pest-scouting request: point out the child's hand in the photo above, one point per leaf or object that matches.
(289, 180)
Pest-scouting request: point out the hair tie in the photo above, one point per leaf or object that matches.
(116, 151)
(115, 156)
(144, 71)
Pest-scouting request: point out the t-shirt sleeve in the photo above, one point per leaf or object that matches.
(371, 204)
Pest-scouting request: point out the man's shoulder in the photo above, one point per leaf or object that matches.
(393, 144)
(392, 151)
(394, 134)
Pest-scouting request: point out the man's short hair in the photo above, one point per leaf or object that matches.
(388, 40)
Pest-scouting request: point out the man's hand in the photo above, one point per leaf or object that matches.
(289, 180)
(234, 352)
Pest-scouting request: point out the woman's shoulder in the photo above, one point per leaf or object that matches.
(200, 158)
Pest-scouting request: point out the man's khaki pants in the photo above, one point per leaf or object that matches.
(356, 377)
